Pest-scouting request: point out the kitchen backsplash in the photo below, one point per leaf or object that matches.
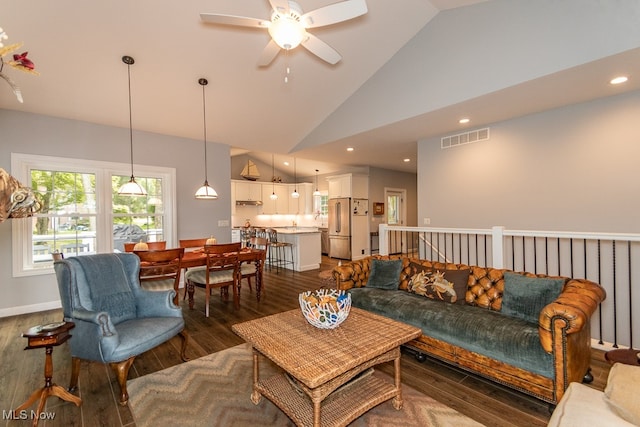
(244, 213)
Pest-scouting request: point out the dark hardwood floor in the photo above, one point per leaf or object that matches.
(21, 372)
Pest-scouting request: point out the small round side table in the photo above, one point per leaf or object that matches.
(628, 356)
(47, 336)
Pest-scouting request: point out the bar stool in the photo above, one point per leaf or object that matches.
(279, 259)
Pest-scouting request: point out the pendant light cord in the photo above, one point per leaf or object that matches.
(130, 119)
(203, 82)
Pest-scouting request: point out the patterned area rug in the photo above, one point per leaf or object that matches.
(214, 391)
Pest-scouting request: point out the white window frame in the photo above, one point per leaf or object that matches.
(21, 166)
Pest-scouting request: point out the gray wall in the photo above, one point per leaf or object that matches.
(43, 135)
(574, 168)
(381, 178)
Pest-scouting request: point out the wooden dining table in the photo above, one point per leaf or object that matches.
(198, 258)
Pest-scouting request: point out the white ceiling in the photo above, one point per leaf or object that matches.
(77, 48)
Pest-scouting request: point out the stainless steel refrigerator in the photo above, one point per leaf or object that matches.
(340, 228)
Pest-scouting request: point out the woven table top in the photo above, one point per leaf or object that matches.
(314, 356)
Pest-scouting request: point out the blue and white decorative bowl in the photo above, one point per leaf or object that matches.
(325, 308)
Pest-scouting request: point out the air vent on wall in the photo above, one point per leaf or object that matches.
(464, 138)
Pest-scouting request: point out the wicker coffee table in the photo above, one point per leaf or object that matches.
(326, 379)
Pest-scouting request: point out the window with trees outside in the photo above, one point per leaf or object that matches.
(82, 212)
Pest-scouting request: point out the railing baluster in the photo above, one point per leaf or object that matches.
(600, 281)
(546, 256)
(630, 297)
(615, 299)
(559, 261)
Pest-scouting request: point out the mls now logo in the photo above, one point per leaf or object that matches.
(27, 415)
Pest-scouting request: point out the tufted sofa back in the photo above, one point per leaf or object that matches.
(484, 289)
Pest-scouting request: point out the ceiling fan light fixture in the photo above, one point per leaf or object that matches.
(287, 32)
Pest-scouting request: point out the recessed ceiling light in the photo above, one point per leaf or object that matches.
(349, 148)
(286, 163)
(464, 121)
(618, 80)
(406, 160)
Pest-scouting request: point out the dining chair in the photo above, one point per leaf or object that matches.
(191, 245)
(115, 319)
(151, 246)
(251, 269)
(222, 270)
(160, 269)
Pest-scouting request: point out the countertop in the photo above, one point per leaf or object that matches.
(297, 230)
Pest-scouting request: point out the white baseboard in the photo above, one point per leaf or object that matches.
(32, 308)
(605, 346)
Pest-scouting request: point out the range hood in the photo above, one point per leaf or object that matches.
(248, 202)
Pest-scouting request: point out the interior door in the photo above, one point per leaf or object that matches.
(395, 215)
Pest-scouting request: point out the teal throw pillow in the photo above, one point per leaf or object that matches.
(385, 274)
(524, 297)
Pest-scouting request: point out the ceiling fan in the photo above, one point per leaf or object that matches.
(288, 26)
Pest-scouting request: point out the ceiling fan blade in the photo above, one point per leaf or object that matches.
(281, 6)
(334, 13)
(215, 18)
(268, 54)
(321, 49)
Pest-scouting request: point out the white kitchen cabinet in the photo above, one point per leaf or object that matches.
(339, 186)
(304, 204)
(248, 191)
(306, 248)
(349, 185)
(278, 206)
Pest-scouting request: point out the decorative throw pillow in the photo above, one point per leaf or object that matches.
(442, 285)
(419, 277)
(621, 392)
(385, 274)
(524, 297)
(460, 280)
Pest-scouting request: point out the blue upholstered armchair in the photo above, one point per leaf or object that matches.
(115, 318)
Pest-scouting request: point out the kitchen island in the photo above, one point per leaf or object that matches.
(306, 246)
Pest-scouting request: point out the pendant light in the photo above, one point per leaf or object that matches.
(317, 192)
(295, 193)
(273, 195)
(131, 188)
(206, 192)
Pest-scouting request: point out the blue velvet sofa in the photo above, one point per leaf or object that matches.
(539, 356)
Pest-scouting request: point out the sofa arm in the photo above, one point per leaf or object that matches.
(575, 305)
(354, 274)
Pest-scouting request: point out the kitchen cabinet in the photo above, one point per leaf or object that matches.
(248, 191)
(278, 206)
(303, 205)
(339, 186)
(285, 204)
(349, 185)
(306, 247)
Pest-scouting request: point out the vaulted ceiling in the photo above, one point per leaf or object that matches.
(77, 49)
